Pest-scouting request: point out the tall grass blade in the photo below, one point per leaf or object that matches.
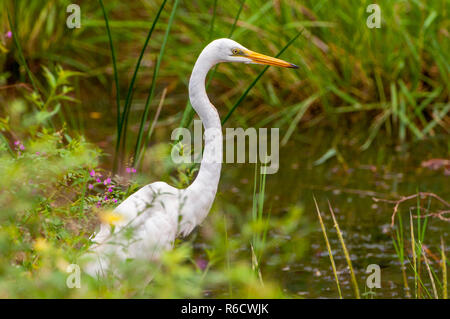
(304, 107)
(233, 26)
(139, 140)
(116, 73)
(34, 81)
(436, 119)
(128, 99)
(413, 248)
(330, 252)
(259, 236)
(375, 127)
(155, 120)
(444, 270)
(255, 265)
(188, 114)
(211, 26)
(114, 62)
(261, 198)
(399, 246)
(227, 252)
(427, 263)
(347, 255)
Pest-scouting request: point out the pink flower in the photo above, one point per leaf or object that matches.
(9, 34)
(98, 180)
(19, 146)
(110, 189)
(131, 170)
(106, 198)
(107, 181)
(92, 173)
(99, 204)
(115, 200)
(202, 263)
(90, 186)
(38, 153)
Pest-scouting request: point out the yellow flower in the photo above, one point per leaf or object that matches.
(41, 244)
(62, 264)
(110, 217)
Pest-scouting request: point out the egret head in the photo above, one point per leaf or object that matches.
(227, 50)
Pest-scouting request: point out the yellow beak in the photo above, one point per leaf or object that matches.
(264, 59)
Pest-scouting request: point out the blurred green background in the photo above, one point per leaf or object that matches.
(360, 118)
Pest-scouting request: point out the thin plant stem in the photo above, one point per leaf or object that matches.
(230, 288)
(114, 62)
(413, 248)
(347, 255)
(433, 285)
(444, 270)
(34, 82)
(188, 114)
(211, 27)
(213, 72)
(155, 120)
(398, 242)
(128, 98)
(140, 138)
(255, 265)
(330, 252)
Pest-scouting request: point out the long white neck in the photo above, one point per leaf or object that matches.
(203, 190)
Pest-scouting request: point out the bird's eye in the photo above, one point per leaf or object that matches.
(235, 51)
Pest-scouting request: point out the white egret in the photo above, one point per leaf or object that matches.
(158, 213)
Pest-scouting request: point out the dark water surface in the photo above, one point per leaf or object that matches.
(349, 181)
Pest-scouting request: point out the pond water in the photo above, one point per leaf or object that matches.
(349, 180)
(383, 171)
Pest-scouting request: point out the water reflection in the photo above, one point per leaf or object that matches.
(383, 171)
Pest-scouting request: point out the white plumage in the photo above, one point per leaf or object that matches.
(153, 217)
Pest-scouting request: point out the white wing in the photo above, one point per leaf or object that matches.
(149, 224)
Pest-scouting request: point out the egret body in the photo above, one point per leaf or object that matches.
(158, 213)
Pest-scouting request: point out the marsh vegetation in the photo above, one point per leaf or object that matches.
(86, 116)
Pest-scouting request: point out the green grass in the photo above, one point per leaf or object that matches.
(397, 75)
(444, 270)
(141, 139)
(425, 287)
(399, 246)
(123, 118)
(116, 74)
(344, 249)
(395, 78)
(19, 49)
(259, 220)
